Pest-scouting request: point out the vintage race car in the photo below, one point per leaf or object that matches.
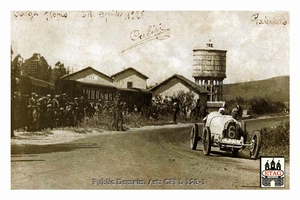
(224, 132)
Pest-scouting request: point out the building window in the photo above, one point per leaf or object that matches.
(110, 96)
(92, 94)
(88, 93)
(129, 84)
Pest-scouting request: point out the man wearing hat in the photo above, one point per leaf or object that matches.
(99, 107)
(55, 102)
(105, 108)
(235, 112)
(69, 117)
(120, 115)
(49, 100)
(82, 105)
(33, 99)
(50, 116)
(60, 117)
(117, 114)
(29, 117)
(175, 109)
(37, 112)
(197, 109)
(77, 116)
(77, 112)
(63, 100)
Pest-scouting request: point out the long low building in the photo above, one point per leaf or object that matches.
(129, 85)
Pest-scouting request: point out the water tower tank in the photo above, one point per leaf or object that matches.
(209, 70)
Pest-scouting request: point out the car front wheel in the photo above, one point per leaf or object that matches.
(256, 144)
(206, 141)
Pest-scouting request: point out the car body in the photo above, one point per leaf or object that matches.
(224, 132)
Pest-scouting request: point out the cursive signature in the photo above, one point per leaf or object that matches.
(153, 33)
(259, 20)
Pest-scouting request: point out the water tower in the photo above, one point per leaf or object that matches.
(209, 70)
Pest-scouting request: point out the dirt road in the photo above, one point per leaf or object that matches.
(145, 158)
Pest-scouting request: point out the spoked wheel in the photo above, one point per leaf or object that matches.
(256, 144)
(206, 141)
(194, 137)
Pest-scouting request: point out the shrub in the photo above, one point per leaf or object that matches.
(257, 106)
(265, 106)
(96, 122)
(276, 141)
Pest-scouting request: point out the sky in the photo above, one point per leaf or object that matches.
(110, 42)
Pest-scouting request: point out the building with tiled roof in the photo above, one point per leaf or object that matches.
(130, 78)
(172, 85)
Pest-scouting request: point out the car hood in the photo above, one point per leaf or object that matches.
(216, 122)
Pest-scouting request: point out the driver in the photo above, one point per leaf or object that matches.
(235, 112)
(222, 111)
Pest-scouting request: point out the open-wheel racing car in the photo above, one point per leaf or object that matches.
(226, 133)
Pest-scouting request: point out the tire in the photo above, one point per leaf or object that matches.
(256, 142)
(194, 137)
(206, 141)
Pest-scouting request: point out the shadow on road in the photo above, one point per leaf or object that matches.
(26, 160)
(226, 154)
(40, 149)
(230, 155)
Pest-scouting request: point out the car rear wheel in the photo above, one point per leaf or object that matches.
(194, 137)
(206, 141)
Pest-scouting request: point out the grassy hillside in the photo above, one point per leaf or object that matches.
(277, 89)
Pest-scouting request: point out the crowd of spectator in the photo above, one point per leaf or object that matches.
(37, 113)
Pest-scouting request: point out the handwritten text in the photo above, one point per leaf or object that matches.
(152, 33)
(265, 20)
(24, 14)
(131, 15)
(106, 15)
(47, 14)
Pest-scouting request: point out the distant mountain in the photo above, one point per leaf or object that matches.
(277, 89)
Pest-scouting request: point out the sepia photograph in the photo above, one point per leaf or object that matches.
(137, 99)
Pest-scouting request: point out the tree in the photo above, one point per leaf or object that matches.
(187, 101)
(17, 65)
(13, 66)
(58, 71)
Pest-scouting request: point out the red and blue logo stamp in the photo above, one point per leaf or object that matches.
(272, 171)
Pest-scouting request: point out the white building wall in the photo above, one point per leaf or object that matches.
(93, 78)
(175, 89)
(137, 82)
